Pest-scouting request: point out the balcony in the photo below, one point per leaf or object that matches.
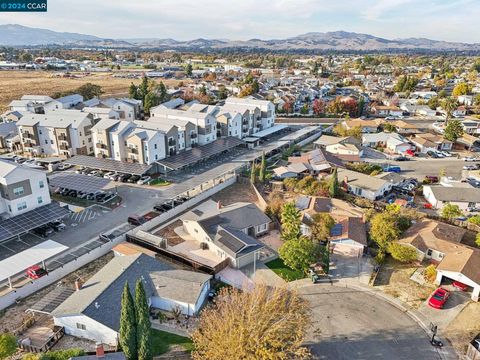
(100, 146)
(245, 122)
(132, 150)
(62, 137)
(193, 136)
(245, 129)
(28, 144)
(27, 135)
(63, 147)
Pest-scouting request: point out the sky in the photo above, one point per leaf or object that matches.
(451, 20)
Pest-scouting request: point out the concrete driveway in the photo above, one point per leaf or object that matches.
(350, 268)
(442, 317)
(354, 324)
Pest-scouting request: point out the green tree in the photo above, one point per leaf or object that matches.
(384, 230)
(334, 187)
(133, 92)
(253, 172)
(321, 227)
(451, 211)
(188, 70)
(299, 254)
(89, 91)
(162, 92)
(433, 103)
(263, 169)
(402, 253)
(144, 336)
(143, 88)
(325, 253)
(453, 130)
(151, 100)
(474, 220)
(128, 326)
(449, 104)
(477, 239)
(8, 345)
(290, 219)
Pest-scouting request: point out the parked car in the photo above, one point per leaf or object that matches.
(446, 153)
(469, 158)
(432, 154)
(92, 173)
(108, 175)
(460, 286)
(133, 179)
(438, 299)
(439, 154)
(109, 197)
(125, 177)
(432, 178)
(36, 272)
(427, 206)
(469, 167)
(80, 169)
(402, 158)
(57, 225)
(395, 169)
(43, 231)
(410, 153)
(64, 166)
(144, 180)
(136, 220)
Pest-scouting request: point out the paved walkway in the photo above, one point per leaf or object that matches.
(263, 275)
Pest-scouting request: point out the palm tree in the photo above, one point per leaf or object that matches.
(449, 104)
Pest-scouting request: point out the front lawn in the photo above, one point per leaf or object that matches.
(162, 341)
(159, 182)
(282, 270)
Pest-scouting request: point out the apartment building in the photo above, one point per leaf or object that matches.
(128, 109)
(262, 110)
(58, 133)
(146, 146)
(187, 135)
(21, 189)
(30, 103)
(205, 123)
(229, 122)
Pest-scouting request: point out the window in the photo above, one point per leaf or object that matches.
(39, 200)
(41, 184)
(155, 146)
(46, 142)
(429, 252)
(9, 208)
(51, 142)
(21, 206)
(40, 132)
(81, 326)
(156, 157)
(19, 191)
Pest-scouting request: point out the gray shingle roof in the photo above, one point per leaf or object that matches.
(100, 296)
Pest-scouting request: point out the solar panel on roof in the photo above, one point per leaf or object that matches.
(30, 220)
(336, 230)
(52, 300)
(230, 241)
(109, 165)
(79, 182)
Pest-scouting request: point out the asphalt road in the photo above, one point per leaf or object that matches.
(352, 324)
(419, 168)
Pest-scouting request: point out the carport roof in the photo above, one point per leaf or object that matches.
(109, 165)
(30, 220)
(79, 182)
(203, 152)
(20, 262)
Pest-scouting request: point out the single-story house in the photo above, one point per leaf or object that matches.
(349, 237)
(366, 126)
(381, 110)
(93, 311)
(316, 161)
(394, 142)
(366, 186)
(405, 128)
(229, 231)
(441, 243)
(430, 142)
(464, 196)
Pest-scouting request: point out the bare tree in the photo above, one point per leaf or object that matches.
(261, 323)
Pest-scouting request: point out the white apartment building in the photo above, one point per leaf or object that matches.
(267, 110)
(59, 133)
(21, 189)
(64, 103)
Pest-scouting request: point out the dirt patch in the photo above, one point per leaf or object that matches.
(15, 84)
(464, 327)
(394, 279)
(169, 233)
(13, 317)
(235, 193)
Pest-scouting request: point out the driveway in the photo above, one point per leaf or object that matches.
(350, 268)
(354, 324)
(442, 317)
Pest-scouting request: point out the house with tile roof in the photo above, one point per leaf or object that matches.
(441, 244)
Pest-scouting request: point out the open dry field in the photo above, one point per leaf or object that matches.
(14, 84)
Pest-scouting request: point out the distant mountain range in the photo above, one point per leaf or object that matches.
(18, 35)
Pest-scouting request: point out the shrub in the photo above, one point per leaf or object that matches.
(8, 345)
(430, 273)
(380, 258)
(477, 240)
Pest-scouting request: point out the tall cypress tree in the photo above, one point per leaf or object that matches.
(144, 339)
(128, 326)
(333, 190)
(252, 172)
(263, 168)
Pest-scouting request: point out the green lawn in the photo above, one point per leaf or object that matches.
(162, 341)
(282, 270)
(159, 182)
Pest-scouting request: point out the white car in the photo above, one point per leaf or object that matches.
(144, 180)
(446, 153)
(440, 154)
(469, 167)
(108, 174)
(469, 158)
(64, 166)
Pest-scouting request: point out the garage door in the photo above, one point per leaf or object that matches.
(347, 250)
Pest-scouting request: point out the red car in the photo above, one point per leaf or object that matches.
(36, 272)
(438, 299)
(410, 153)
(460, 286)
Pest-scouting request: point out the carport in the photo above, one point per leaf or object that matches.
(109, 165)
(20, 262)
(78, 182)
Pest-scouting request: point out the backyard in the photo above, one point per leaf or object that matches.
(163, 342)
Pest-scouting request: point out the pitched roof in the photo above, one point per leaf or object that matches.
(317, 160)
(351, 228)
(429, 234)
(99, 297)
(361, 180)
(456, 194)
